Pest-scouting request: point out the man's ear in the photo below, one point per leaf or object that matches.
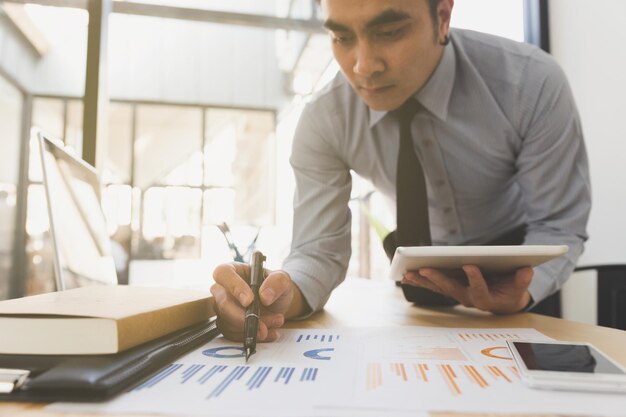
(444, 14)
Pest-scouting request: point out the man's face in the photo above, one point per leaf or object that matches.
(387, 49)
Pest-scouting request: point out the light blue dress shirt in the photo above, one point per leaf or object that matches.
(501, 145)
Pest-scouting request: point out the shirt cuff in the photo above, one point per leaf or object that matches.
(313, 291)
(540, 287)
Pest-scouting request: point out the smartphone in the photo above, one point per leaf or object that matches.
(566, 366)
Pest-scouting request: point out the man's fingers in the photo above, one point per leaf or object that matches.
(523, 277)
(275, 285)
(219, 294)
(415, 279)
(230, 276)
(272, 320)
(449, 286)
(272, 335)
(232, 294)
(478, 288)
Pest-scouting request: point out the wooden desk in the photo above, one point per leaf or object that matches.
(366, 303)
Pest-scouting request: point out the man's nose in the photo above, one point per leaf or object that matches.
(368, 62)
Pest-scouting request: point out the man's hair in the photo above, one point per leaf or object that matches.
(432, 7)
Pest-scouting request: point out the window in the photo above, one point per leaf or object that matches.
(10, 125)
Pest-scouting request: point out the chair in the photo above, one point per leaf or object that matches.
(611, 294)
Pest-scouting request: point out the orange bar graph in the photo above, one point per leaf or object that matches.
(501, 374)
(491, 370)
(449, 377)
(400, 370)
(468, 337)
(374, 376)
(515, 371)
(420, 370)
(475, 376)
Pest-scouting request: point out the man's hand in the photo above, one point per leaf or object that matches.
(506, 296)
(280, 299)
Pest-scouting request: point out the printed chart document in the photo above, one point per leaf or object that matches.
(391, 371)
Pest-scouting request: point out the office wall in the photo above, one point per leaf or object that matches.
(589, 41)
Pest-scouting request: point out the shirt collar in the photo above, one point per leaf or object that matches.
(435, 95)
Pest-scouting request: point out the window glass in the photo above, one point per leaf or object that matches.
(74, 127)
(49, 115)
(10, 130)
(168, 146)
(240, 153)
(117, 166)
(39, 256)
(170, 223)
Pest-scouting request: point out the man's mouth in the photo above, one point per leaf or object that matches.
(374, 89)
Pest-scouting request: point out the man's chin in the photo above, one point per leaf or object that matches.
(381, 104)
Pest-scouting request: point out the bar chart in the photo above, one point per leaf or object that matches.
(488, 336)
(457, 378)
(322, 338)
(222, 378)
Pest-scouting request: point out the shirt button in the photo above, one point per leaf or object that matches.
(453, 231)
(440, 183)
(428, 143)
(447, 210)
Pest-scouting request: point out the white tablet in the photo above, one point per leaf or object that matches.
(492, 260)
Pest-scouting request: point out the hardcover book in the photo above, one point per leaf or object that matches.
(97, 319)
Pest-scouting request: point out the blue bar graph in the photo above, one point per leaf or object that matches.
(235, 375)
(170, 369)
(258, 377)
(326, 338)
(308, 374)
(214, 370)
(284, 374)
(190, 372)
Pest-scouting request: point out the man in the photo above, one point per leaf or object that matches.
(498, 137)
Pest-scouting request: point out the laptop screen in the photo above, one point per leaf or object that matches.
(82, 248)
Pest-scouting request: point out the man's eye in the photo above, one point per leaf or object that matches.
(341, 39)
(390, 34)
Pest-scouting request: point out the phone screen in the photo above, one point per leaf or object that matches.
(565, 358)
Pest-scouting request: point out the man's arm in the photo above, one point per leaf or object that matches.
(320, 248)
(553, 173)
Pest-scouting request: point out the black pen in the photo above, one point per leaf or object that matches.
(251, 324)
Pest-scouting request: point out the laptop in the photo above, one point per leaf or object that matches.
(80, 241)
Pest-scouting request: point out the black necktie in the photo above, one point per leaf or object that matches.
(413, 224)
